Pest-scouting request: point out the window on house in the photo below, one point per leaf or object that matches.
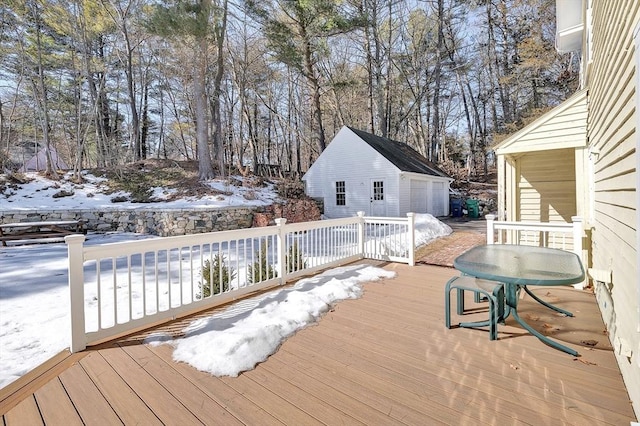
(341, 193)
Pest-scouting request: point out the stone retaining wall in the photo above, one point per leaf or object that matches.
(161, 222)
(172, 222)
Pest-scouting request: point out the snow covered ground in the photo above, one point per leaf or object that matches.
(34, 319)
(91, 194)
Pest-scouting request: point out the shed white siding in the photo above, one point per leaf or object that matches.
(381, 178)
(353, 161)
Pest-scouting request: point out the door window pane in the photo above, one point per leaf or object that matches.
(341, 193)
(378, 191)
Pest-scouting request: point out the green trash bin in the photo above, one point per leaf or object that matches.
(473, 208)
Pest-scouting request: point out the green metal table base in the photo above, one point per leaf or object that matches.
(547, 304)
(511, 294)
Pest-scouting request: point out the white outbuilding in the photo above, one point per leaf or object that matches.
(359, 171)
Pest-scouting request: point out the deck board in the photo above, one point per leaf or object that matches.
(300, 394)
(392, 379)
(188, 394)
(412, 373)
(55, 406)
(86, 397)
(268, 397)
(25, 413)
(379, 394)
(355, 399)
(124, 401)
(347, 408)
(385, 358)
(163, 404)
(234, 402)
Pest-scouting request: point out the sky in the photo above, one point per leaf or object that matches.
(34, 305)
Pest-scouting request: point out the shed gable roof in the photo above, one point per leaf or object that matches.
(565, 126)
(400, 155)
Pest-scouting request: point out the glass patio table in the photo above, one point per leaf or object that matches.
(519, 266)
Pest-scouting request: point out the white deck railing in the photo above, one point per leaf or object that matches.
(119, 288)
(564, 236)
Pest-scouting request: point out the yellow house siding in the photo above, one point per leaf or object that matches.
(613, 135)
(617, 105)
(547, 186)
(562, 127)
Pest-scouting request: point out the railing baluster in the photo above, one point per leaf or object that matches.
(145, 308)
(180, 278)
(157, 279)
(99, 292)
(191, 289)
(114, 269)
(130, 289)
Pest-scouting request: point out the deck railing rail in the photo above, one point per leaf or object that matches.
(119, 288)
(564, 236)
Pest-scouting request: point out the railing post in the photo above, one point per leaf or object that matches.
(577, 244)
(412, 238)
(490, 228)
(577, 235)
(361, 234)
(75, 254)
(282, 250)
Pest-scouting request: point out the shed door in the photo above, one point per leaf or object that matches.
(438, 195)
(419, 196)
(377, 205)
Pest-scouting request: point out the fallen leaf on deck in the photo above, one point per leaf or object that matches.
(589, 342)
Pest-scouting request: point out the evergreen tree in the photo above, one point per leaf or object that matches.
(215, 274)
(295, 258)
(196, 24)
(297, 32)
(261, 270)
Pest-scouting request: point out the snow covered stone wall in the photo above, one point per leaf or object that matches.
(153, 221)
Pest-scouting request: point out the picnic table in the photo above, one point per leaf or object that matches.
(519, 266)
(39, 230)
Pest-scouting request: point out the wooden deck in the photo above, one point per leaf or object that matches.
(383, 359)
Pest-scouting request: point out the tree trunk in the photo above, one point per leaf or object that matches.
(314, 88)
(205, 168)
(218, 143)
(40, 93)
(135, 119)
(435, 134)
